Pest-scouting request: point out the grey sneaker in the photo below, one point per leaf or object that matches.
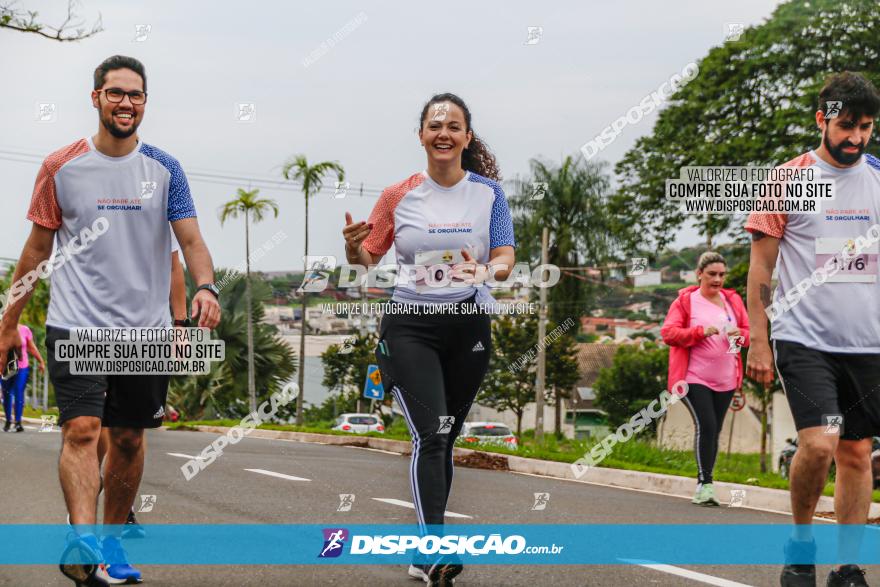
(705, 495)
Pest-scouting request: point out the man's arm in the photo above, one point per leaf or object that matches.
(198, 260)
(37, 249)
(764, 251)
(178, 288)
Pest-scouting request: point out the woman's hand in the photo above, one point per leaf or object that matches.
(733, 331)
(470, 271)
(355, 233)
(709, 331)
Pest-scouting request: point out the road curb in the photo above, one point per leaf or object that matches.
(763, 498)
(403, 447)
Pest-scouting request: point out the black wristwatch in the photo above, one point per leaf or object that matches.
(211, 288)
(186, 322)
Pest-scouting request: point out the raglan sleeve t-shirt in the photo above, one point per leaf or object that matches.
(429, 224)
(837, 312)
(112, 265)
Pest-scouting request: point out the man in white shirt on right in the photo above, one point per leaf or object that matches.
(826, 332)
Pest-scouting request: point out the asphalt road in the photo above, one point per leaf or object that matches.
(230, 491)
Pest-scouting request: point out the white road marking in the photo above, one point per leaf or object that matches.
(183, 456)
(387, 452)
(279, 475)
(687, 574)
(412, 506)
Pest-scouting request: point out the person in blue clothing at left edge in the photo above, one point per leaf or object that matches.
(13, 388)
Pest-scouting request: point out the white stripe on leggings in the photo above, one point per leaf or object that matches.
(693, 412)
(413, 465)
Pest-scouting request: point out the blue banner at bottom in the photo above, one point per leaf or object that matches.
(527, 544)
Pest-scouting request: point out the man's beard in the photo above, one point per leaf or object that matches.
(116, 131)
(837, 153)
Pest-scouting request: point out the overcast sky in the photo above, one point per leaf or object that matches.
(358, 103)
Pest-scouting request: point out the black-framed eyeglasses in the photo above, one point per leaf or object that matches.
(117, 95)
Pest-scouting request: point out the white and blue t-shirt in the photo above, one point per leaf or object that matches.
(429, 224)
(839, 315)
(122, 277)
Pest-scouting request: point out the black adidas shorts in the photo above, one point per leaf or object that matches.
(124, 401)
(821, 385)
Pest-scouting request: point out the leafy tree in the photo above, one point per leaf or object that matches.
(510, 382)
(636, 377)
(737, 278)
(752, 103)
(345, 373)
(581, 230)
(507, 385)
(25, 21)
(332, 406)
(33, 316)
(253, 209)
(311, 177)
(218, 394)
(562, 373)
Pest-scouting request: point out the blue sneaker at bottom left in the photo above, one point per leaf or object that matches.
(83, 563)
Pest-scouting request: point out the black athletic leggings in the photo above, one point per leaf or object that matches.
(434, 365)
(708, 408)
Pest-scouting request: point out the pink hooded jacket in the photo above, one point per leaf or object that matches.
(680, 337)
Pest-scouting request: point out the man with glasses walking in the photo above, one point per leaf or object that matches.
(107, 202)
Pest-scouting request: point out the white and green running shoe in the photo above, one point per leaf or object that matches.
(705, 495)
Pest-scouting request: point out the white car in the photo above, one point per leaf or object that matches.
(359, 423)
(489, 432)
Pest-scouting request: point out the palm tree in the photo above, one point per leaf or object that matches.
(581, 233)
(216, 394)
(312, 180)
(250, 205)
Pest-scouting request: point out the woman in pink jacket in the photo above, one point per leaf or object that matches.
(705, 328)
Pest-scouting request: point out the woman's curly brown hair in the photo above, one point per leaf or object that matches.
(476, 158)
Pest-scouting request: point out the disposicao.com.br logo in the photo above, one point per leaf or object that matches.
(429, 544)
(334, 541)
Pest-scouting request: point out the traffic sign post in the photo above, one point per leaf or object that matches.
(739, 400)
(373, 388)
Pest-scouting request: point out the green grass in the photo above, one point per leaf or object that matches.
(30, 412)
(284, 427)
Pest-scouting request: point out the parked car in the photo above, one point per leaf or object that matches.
(488, 432)
(359, 423)
(787, 454)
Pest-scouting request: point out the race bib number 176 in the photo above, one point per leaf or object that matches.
(861, 268)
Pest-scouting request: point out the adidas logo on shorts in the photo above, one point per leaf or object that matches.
(160, 413)
(478, 347)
